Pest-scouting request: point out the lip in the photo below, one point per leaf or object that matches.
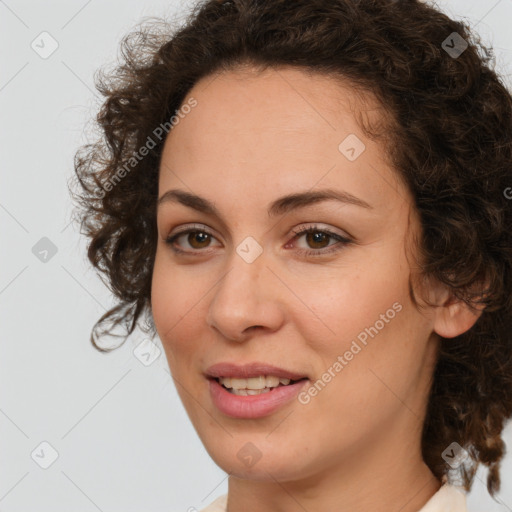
(253, 406)
(249, 370)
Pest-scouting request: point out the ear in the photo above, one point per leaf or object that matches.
(452, 316)
(455, 318)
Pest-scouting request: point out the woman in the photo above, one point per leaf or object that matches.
(309, 201)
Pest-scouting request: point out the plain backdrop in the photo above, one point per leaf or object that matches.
(111, 430)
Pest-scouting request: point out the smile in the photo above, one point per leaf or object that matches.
(253, 390)
(254, 385)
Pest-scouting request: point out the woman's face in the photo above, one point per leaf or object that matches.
(248, 290)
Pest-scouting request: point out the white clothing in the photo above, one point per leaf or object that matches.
(447, 499)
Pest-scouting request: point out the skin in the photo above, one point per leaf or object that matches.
(254, 137)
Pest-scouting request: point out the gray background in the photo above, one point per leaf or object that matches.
(123, 440)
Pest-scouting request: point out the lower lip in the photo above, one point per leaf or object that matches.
(253, 406)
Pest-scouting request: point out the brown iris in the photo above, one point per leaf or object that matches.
(317, 237)
(198, 236)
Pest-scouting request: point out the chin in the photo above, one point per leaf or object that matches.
(256, 458)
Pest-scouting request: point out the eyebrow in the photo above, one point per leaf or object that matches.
(280, 206)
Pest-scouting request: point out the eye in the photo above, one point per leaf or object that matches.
(199, 238)
(311, 236)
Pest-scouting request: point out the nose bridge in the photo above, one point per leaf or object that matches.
(244, 296)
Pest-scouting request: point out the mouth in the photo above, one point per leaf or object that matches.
(253, 390)
(254, 385)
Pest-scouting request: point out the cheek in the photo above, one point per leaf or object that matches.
(351, 303)
(174, 301)
(366, 386)
(376, 364)
(162, 301)
(367, 319)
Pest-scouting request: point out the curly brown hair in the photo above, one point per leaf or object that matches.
(449, 137)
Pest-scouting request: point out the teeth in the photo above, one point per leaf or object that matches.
(272, 381)
(246, 392)
(253, 384)
(254, 391)
(241, 392)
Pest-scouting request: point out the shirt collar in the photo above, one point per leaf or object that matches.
(447, 499)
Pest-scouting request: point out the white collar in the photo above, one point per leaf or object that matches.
(447, 499)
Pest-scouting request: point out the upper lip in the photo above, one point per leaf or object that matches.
(246, 371)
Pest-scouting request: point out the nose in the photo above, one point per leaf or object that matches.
(247, 298)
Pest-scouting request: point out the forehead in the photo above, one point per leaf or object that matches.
(281, 128)
(280, 99)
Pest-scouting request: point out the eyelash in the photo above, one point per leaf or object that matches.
(342, 241)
